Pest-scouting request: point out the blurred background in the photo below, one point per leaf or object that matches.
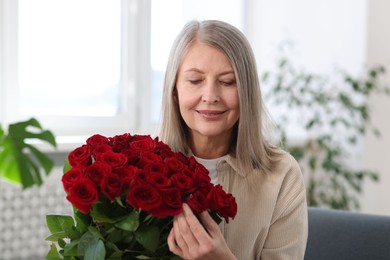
(96, 66)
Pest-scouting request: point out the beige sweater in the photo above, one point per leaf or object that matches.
(271, 222)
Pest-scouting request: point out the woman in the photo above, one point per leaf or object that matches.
(212, 109)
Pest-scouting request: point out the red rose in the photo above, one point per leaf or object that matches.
(70, 177)
(139, 176)
(132, 156)
(111, 186)
(158, 167)
(201, 175)
(158, 180)
(183, 182)
(198, 178)
(96, 171)
(143, 195)
(174, 164)
(197, 202)
(120, 142)
(97, 140)
(181, 157)
(83, 194)
(112, 159)
(163, 150)
(127, 174)
(104, 148)
(146, 158)
(140, 137)
(192, 163)
(171, 206)
(144, 144)
(224, 204)
(80, 156)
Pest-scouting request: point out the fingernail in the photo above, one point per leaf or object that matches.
(186, 207)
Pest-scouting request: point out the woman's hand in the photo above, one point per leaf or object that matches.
(189, 239)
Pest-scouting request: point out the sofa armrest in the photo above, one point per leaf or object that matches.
(337, 234)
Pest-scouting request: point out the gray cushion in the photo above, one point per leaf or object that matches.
(336, 234)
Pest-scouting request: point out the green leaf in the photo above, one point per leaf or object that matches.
(2, 136)
(71, 248)
(91, 247)
(313, 163)
(130, 222)
(96, 251)
(116, 256)
(58, 223)
(43, 159)
(143, 257)
(54, 237)
(15, 163)
(148, 237)
(83, 221)
(61, 243)
(53, 253)
(94, 231)
(117, 235)
(85, 241)
(106, 212)
(67, 166)
(297, 152)
(215, 217)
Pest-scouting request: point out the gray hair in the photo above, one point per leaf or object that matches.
(249, 145)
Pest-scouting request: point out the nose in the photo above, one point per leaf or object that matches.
(211, 93)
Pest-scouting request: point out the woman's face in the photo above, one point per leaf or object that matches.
(207, 93)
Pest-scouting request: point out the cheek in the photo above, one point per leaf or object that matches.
(233, 100)
(186, 100)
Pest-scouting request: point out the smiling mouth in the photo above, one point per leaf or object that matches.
(210, 114)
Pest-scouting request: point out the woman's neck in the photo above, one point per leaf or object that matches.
(209, 147)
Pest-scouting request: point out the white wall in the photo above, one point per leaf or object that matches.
(324, 33)
(377, 151)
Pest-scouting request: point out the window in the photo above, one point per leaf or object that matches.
(73, 64)
(63, 61)
(93, 66)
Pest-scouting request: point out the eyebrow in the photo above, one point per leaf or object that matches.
(200, 71)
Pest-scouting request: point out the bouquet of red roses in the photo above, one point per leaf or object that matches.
(125, 191)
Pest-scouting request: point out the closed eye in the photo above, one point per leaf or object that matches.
(195, 82)
(228, 83)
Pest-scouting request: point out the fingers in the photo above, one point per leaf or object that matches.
(173, 247)
(188, 226)
(208, 222)
(187, 233)
(191, 238)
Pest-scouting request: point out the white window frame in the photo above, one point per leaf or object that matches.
(134, 114)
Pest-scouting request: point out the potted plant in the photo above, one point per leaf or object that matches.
(334, 117)
(21, 162)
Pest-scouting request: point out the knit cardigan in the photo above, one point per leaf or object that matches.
(271, 221)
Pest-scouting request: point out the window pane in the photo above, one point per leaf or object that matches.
(69, 57)
(168, 17)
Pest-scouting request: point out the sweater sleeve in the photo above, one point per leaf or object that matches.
(287, 236)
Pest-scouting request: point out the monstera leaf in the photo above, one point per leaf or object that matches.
(20, 161)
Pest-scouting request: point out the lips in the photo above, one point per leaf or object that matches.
(211, 114)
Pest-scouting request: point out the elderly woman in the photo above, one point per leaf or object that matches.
(213, 109)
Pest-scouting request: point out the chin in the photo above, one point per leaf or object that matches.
(212, 133)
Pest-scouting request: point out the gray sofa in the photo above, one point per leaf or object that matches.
(344, 235)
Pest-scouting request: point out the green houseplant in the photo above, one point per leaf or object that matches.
(21, 162)
(334, 115)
